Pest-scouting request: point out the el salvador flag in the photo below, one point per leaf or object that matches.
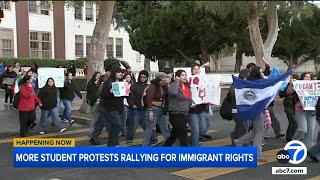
(253, 97)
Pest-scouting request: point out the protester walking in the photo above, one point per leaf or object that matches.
(314, 152)
(110, 109)
(156, 93)
(67, 95)
(92, 88)
(124, 116)
(48, 96)
(179, 106)
(8, 79)
(27, 105)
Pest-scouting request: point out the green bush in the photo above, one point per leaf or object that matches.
(26, 62)
(111, 62)
(80, 83)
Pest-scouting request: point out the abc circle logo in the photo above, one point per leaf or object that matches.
(295, 152)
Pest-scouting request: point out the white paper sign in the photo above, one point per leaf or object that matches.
(56, 73)
(205, 89)
(120, 89)
(308, 93)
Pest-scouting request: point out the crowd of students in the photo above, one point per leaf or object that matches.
(166, 103)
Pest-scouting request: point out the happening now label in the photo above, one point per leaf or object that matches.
(136, 157)
(44, 142)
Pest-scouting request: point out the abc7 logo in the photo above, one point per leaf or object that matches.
(295, 152)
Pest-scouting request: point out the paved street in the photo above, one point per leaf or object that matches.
(220, 129)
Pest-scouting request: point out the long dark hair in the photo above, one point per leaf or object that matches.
(24, 80)
(178, 74)
(47, 83)
(7, 70)
(255, 73)
(303, 75)
(93, 78)
(114, 71)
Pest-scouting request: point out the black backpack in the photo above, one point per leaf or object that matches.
(16, 100)
(226, 108)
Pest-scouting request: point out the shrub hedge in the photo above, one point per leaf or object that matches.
(80, 82)
(26, 62)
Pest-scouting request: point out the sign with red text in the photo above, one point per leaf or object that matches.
(308, 93)
(205, 89)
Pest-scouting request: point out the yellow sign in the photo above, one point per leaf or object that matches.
(44, 142)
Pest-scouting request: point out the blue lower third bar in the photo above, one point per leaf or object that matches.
(134, 157)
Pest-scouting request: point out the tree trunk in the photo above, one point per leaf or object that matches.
(255, 35)
(147, 64)
(239, 59)
(273, 28)
(290, 63)
(205, 56)
(98, 43)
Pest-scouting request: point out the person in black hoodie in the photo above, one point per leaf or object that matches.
(48, 96)
(289, 102)
(92, 89)
(137, 111)
(7, 79)
(110, 109)
(67, 96)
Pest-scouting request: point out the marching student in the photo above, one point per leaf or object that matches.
(155, 103)
(179, 106)
(110, 109)
(137, 110)
(67, 96)
(124, 116)
(314, 152)
(257, 134)
(92, 88)
(198, 117)
(27, 105)
(305, 120)
(7, 79)
(48, 96)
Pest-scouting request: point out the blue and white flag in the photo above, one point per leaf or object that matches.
(253, 97)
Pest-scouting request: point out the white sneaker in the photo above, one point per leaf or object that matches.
(71, 122)
(41, 133)
(63, 130)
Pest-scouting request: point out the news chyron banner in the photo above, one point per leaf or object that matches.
(62, 152)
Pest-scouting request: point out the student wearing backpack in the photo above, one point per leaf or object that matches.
(48, 96)
(137, 109)
(27, 105)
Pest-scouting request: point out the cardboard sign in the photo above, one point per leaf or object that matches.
(205, 89)
(120, 89)
(308, 93)
(56, 73)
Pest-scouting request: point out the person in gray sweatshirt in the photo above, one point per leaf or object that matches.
(179, 106)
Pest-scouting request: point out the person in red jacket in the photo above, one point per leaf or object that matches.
(27, 105)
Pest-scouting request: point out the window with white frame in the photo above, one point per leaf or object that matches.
(88, 44)
(138, 58)
(89, 11)
(119, 48)
(39, 7)
(40, 45)
(79, 45)
(78, 13)
(110, 47)
(5, 5)
(6, 43)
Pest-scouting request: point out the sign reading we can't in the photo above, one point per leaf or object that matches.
(308, 93)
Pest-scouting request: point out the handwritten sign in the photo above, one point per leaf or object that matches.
(308, 93)
(56, 73)
(205, 89)
(120, 89)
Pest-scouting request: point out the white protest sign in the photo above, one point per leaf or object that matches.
(120, 89)
(56, 73)
(308, 93)
(205, 89)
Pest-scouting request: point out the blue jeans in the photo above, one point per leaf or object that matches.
(67, 109)
(137, 117)
(124, 117)
(306, 122)
(315, 150)
(160, 119)
(55, 119)
(198, 123)
(112, 122)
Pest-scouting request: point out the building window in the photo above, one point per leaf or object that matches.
(138, 58)
(5, 5)
(6, 43)
(110, 47)
(119, 48)
(89, 11)
(78, 13)
(79, 46)
(32, 6)
(97, 12)
(88, 44)
(40, 45)
(44, 7)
